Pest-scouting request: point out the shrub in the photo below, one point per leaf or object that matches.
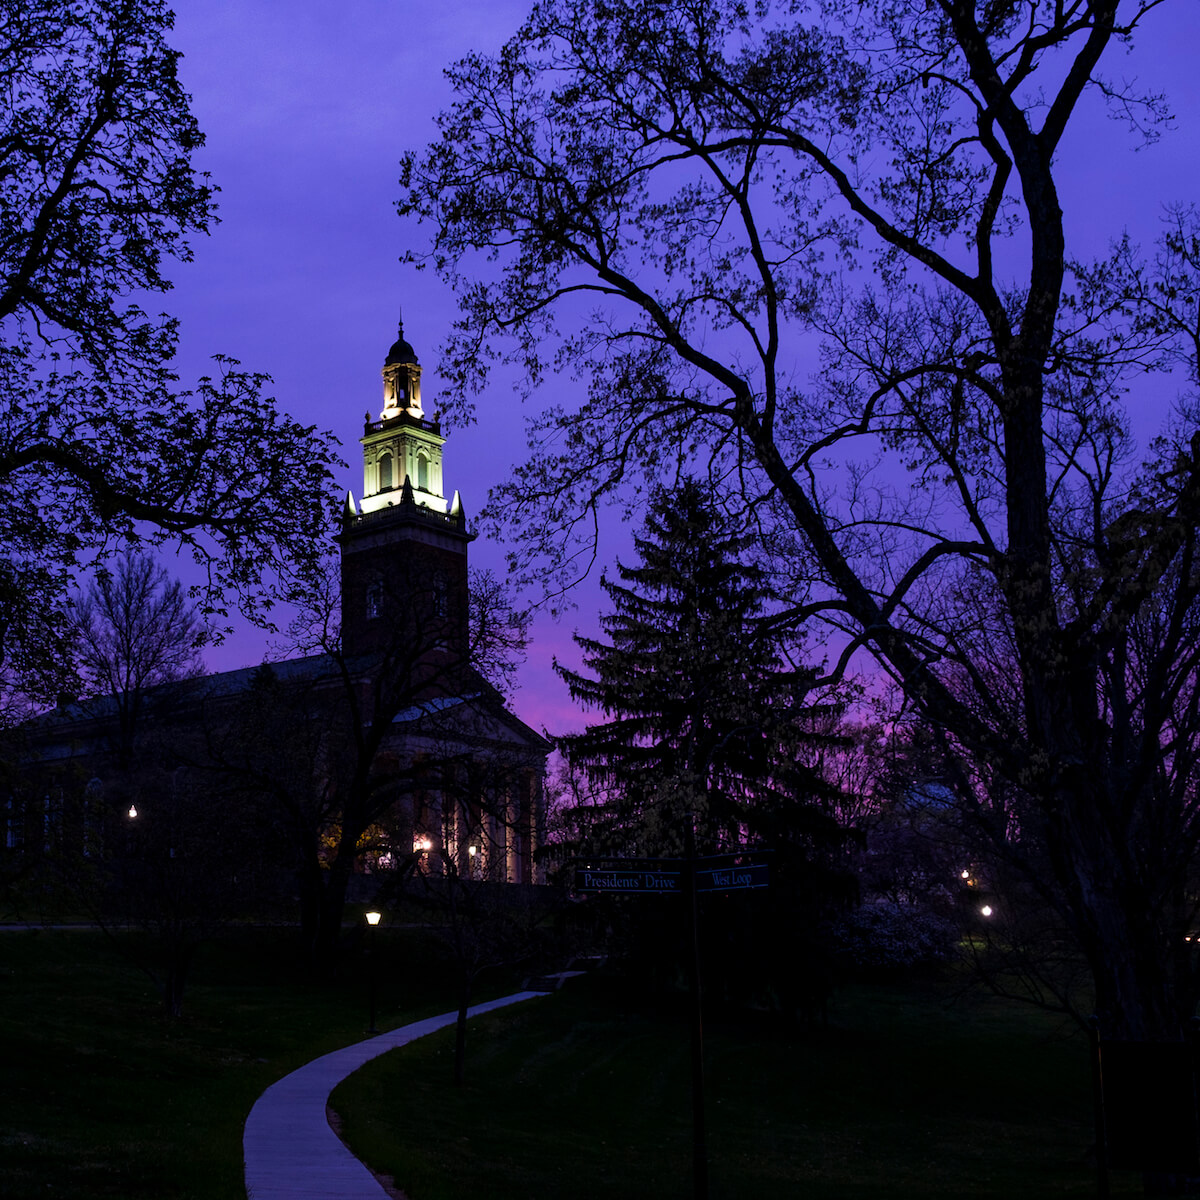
(891, 938)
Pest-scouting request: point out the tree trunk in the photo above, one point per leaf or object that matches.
(460, 1030)
(1125, 910)
(1137, 995)
(310, 883)
(326, 943)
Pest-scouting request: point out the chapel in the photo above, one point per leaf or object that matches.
(465, 772)
(405, 592)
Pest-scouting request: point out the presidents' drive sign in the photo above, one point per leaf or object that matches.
(641, 880)
(588, 879)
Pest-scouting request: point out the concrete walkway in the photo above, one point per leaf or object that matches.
(291, 1152)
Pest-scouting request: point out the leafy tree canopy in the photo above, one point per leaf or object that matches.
(97, 444)
(948, 473)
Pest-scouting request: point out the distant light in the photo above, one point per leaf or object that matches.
(965, 875)
(133, 810)
(422, 844)
(372, 917)
(986, 910)
(472, 850)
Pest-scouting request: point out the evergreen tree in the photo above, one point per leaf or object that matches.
(707, 716)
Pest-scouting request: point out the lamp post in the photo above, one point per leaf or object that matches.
(372, 920)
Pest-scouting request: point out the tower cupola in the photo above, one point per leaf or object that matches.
(404, 547)
(402, 449)
(401, 380)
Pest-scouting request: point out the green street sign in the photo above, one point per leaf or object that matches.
(727, 879)
(639, 882)
(667, 877)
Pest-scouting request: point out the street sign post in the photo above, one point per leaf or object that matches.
(686, 877)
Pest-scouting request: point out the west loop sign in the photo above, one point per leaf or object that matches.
(639, 878)
(725, 879)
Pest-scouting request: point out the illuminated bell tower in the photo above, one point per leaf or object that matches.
(404, 549)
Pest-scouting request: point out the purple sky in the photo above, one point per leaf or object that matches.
(307, 106)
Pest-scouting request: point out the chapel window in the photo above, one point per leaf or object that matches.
(374, 600)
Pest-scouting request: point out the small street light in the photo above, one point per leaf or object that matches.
(372, 920)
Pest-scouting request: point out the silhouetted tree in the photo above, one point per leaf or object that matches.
(97, 444)
(482, 924)
(314, 740)
(187, 861)
(133, 629)
(831, 254)
(709, 744)
(706, 714)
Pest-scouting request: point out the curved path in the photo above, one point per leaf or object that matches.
(291, 1152)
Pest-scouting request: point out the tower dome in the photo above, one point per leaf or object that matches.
(401, 351)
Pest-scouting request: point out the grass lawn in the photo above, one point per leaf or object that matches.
(103, 1098)
(908, 1093)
